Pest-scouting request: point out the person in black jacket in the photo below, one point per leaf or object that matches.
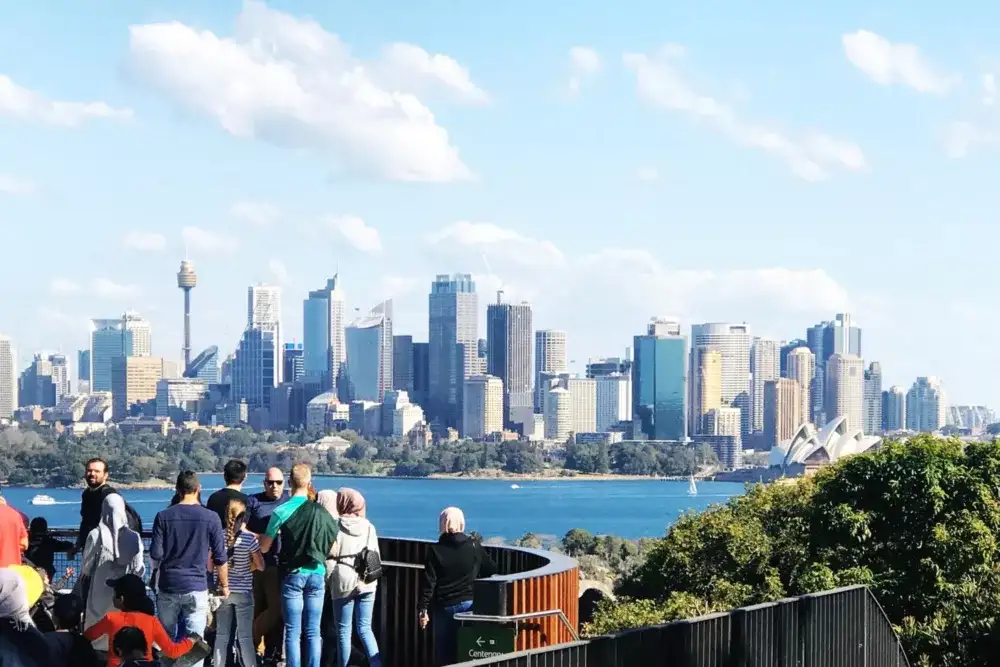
(92, 498)
(451, 566)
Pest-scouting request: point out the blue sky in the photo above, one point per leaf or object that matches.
(771, 163)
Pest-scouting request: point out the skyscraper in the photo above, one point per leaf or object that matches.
(205, 366)
(508, 357)
(873, 399)
(840, 336)
(254, 368)
(893, 409)
(926, 405)
(801, 367)
(845, 389)
(583, 399)
(733, 342)
(707, 381)
(765, 365)
(8, 378)
(421, 373)
(324, 346)
(453, 328)
(264, 313)
(369, 355)
(36, 385)
(138, 335)
(482, 407)
(550, 357)
(294, 368)
(186, 281)
(83, 371)
(614, 400)
(787, 349)
(402, 364)
(659, 381)
(133, 384)
(782, 410)
(60, 375)
(107, 342)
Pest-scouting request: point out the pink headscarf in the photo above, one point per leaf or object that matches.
(328, 499)
(350, 503)
(452, 520)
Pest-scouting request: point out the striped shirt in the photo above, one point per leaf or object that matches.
(240, 576)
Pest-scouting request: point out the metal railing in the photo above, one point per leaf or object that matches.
(839, 628)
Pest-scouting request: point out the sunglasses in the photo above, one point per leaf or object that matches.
(274, 482)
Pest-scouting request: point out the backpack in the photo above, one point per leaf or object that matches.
(367, 562)
(134, 520)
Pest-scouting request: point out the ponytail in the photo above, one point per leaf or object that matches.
(235, 520)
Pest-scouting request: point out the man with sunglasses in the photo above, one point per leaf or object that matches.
(268, 624)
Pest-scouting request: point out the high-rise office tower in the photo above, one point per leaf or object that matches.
(36, 385)
(926, 405)
(550, 357)
(765, 365)
(893, 409)
(558, 413)
(782, 410)
(733, 342)
(845, 389)
(614, 400)
(453, 328)
(421, 373)
(609, 366)
(60, 375)
(264, 313)
(873, 399)
(840, 336)
(255, 368)
(138, 335)
(724, 421)
(786, 349)
(205, 366)
(107, 342)
(707, 380)
(83, 371)
(801, 367)
(294, 369)
(508, 357)
(324, 344)
(402, 364)
(482, 407)
(659, 381)
(369, 354)
(133, 384)
(186, 281)
(583, 399)
(8, 378)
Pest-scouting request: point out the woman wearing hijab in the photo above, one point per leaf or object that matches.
(350, 594)
(21, 644)
(451, 566)
(111, 551)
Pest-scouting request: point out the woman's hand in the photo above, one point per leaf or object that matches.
(424, 620)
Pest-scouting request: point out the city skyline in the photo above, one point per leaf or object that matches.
(585, 167)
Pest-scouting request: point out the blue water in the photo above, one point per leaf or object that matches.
(409, 508)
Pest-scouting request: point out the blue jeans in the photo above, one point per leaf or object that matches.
(240, 606)
(446, 632)
(302, 604)
(183, 614)
(343, 611)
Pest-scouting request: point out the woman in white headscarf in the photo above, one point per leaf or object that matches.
(112, 550)
(21, 643)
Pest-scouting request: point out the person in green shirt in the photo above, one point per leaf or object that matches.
(308, 533)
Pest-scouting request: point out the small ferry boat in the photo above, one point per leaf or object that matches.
(43, 500)
(514, 486)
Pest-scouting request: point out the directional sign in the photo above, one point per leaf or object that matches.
(484, 640)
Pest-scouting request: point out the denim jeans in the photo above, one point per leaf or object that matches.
(302, 607)
(183, 614)
(240, 606)
(446, 633)
(344, 611)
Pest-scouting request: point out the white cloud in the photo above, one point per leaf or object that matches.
(394, 287)
(11, 185)
(961, 137)
(278, 270)
(492, 240)
(409, 67)
(109, 289)
(811, 155)
(647, 174)
(888, 63)
(145, 241)
(584, 63)
(63, 287)
(202, 240)
(989, 82)
(288, 81)
(355, 231)
(23, 104)
(256, 213)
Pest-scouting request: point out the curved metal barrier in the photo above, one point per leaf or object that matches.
(530, 581)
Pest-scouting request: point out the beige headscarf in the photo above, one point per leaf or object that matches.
(452, 520)
(328, 499)
(350, 502)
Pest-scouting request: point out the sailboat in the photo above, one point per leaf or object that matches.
(692, 487)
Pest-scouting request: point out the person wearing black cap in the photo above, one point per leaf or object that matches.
(135, 610)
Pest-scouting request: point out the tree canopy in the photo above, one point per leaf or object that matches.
(919, 523)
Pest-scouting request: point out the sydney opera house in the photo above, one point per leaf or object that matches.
(810, 448)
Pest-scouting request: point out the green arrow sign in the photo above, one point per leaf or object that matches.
(484, 640)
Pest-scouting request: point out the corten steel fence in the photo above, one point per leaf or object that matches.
(845, 627)
(530, 580)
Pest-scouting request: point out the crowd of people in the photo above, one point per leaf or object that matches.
(285, 576)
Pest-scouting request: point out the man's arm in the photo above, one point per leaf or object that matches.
(273, 526)
(217, 543)
(156, 544)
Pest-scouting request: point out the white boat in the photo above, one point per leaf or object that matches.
(692, 487)
(43, 500)
(514, 486)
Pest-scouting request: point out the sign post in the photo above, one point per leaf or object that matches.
(484, 640)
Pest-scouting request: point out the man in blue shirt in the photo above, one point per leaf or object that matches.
(184, 535)
(268, 624)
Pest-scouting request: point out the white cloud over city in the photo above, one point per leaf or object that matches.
(20, 103)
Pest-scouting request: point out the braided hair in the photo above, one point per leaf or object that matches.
(236, 518)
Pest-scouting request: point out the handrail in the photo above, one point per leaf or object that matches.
(515, 618)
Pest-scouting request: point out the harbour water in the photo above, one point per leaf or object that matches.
(409, 507)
